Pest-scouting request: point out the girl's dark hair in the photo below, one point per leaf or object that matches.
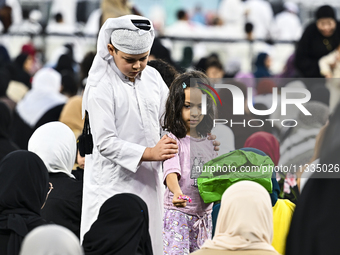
(173, 121)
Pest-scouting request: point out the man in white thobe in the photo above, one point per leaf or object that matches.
(125, 104)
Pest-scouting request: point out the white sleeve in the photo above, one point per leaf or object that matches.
(105, 138)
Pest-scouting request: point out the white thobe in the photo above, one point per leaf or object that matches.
(125, 119)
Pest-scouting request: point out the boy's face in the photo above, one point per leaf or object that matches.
(129, 64)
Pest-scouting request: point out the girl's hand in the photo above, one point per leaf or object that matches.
(215, 143)
(179, 202)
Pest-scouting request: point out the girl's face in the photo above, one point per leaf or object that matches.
(191, 111)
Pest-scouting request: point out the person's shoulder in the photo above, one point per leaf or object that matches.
(103, 86)
(171, 135)
(75, 100)
(180, 141)
(311, 28)
(152, 75)
(149, 70)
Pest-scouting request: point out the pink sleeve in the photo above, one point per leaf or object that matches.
(172, 165)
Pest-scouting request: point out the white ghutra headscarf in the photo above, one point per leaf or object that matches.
(130, 34)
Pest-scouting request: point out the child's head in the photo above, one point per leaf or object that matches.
(183, 108)
(167, 71)
(214, 69)
(130, 48)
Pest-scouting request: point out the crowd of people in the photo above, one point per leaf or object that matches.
(108, 156)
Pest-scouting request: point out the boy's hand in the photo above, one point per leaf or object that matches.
(179, 202)
(215, 143)
(166, 148)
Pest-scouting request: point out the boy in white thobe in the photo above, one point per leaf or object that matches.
(125, 100)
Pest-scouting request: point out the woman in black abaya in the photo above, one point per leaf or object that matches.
(319, 38)
(315, 226)
(121, 228)
(23, 191)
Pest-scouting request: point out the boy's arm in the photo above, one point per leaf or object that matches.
(109, 145)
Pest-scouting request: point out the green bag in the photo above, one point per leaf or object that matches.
(220, 173)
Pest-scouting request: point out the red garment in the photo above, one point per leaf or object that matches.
(265, 142)
(265, 86)
(28, 49)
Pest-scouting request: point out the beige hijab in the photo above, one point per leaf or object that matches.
(245, 220)
(114, 9)
(71, 115)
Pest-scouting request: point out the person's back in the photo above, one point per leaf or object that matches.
(121, 228)
(30, 111)
(23, 190)
(244, 224)
(282, 215)
(6, 143)
(64, 203)
(55, 143)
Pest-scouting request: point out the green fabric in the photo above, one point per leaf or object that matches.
(212, 184)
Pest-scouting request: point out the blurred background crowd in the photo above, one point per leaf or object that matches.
(256, 43)
(233, 29)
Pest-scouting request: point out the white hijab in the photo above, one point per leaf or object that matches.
(55, 144)
(102, 58)
(43, 96)
(51, 240)
(245, 220)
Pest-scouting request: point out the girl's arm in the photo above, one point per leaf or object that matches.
(173, 185)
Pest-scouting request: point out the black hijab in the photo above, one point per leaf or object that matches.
(23, 190)
(17, 71)
(5, 120)
(315, 226)
(4, 81)
(122, 228)
(6, 144)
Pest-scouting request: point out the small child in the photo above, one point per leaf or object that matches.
(187, 225)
